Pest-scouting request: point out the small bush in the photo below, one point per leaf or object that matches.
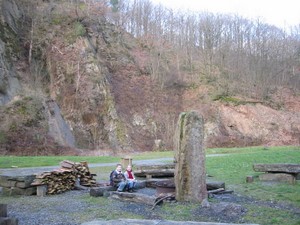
(79, 29)
(229, 99)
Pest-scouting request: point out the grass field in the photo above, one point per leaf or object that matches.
(36, 161)
(230, 165)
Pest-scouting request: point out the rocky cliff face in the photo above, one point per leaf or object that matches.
(69, 77)
(9, 50)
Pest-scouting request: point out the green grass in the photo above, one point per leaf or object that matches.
(36, 161)
(232, 167)
(266, 215)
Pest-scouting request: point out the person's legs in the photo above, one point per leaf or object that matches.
(131, 186)
(121, 186)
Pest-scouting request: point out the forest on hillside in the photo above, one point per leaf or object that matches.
(235, 54)
(217, 48)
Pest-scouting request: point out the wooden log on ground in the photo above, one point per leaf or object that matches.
(151, 183)
(213, 185)
(133, 197)
(277, 168)
(166, 170)
(100, 191)
(140, 184)
(210, 185)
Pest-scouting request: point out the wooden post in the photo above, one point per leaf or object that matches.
(8, 221)
(41, 190)
(125, 161)
(249, 179)
(3, 210)
(3, 216)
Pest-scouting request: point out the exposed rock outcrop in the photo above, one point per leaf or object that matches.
(190, 175)
(9, 46)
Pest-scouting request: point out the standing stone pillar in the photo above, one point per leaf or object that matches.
(190, 175)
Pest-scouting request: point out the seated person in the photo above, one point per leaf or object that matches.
(129, 175)
(118, 179)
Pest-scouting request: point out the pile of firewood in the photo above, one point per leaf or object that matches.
(66, 178)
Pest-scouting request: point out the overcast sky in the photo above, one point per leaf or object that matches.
(282, 13)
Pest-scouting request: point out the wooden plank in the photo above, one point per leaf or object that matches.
(67, 164)
(279, 167)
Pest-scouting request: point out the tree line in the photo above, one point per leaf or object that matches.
(230, 50)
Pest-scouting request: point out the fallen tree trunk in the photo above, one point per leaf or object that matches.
(213, 185)
(155, 170)
(277, 168)
(133, 197)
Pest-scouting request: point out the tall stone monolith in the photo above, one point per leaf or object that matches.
(190, 175)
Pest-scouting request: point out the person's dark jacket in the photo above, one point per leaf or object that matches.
(117, 178)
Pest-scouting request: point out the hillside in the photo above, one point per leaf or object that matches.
(73, 81)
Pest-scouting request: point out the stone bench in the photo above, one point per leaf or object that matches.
(280, 172)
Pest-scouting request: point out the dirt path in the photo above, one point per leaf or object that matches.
(33, 170)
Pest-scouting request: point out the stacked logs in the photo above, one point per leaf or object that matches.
(57, 181)
(65, 178)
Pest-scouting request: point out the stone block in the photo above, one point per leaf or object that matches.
(298, 176)
(278, 177)
(16, 181)
(190, 157)
(12, 191)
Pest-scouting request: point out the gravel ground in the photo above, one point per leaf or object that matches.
(77, 207)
